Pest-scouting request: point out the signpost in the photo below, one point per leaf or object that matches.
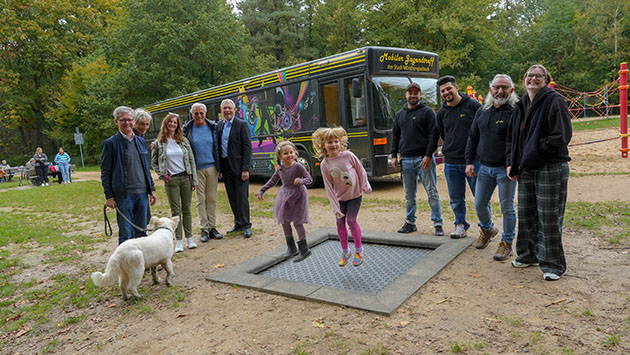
(78, 139)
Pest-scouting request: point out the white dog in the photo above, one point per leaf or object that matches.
(132, 257)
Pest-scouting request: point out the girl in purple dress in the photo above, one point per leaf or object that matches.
(345, 180)
(291, 203)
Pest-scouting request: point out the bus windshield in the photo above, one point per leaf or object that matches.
(390, 97)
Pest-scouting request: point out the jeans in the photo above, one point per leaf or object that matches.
(456, 180)
(135, 207)
(487, 179)
(65, 171)
(411, 171)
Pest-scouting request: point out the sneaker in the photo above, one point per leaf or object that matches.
(345, 257)
(439, 231)
(485, 236)
(459, 232)
(504, 251)
(190, 243)
(179, 246)
(407, 228)
(358, 259)
(522, 265)
(204, 237)
(45, 184)
(550, 276)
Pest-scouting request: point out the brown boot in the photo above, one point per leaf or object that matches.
(485, 236)
(504, 251)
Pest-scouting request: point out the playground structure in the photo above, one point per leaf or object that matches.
(579, 102)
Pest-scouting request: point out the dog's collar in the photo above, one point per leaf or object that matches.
(164, 227)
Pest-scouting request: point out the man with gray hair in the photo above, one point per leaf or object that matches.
(486, 142)
(125, 176)
(235, 157)
(201, 133)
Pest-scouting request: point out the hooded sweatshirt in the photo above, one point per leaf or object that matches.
(411, 133)
(540, 132)
(453, 125)
(488, 134)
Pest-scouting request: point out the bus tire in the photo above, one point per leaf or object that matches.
(305, 159)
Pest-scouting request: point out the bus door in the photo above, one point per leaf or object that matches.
(354, 113)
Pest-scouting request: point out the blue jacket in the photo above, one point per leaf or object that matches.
(113, 159)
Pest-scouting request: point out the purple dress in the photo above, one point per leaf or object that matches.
(291, 204)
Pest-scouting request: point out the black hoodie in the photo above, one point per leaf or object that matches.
(540, 132)
(412, 130)
(453, 125)
(488, 134)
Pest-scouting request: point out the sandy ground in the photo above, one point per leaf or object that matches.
(475, 304)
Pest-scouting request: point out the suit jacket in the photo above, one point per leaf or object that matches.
(239, 149)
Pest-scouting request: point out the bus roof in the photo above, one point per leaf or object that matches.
(319, 66)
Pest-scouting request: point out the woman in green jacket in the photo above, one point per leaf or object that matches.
(172, 158)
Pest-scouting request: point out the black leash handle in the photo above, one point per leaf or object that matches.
(107, 224)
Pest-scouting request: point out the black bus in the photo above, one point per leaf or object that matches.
(359, 90)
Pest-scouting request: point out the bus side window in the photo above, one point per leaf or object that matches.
(331, 104)
(355, 106)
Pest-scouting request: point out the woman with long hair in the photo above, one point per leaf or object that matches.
(538, 155)
(173, 160)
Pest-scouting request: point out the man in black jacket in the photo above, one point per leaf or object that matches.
(487, 142)
(411, 132)
(453, 125)
(235, 156)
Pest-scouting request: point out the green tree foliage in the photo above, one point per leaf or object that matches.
(85, 101)
(165, 48)
(282, 28)
(337, 26)
(40, 40)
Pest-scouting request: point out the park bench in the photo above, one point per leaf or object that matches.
(28, 175)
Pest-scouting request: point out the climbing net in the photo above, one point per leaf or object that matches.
(592, 108)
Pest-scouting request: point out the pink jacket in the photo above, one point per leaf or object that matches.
(344, 178)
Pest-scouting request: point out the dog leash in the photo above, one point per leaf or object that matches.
(109, 226)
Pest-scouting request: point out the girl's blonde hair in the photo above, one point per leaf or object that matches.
(281, 146)
(324, 134)
(178, 136)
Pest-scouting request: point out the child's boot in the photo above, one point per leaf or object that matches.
(291, 248)
(305, 252)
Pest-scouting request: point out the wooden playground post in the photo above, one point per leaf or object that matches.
(623, 109)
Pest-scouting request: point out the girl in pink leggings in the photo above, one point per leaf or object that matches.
(345, 180)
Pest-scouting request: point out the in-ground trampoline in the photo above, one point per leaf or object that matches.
(396, 265)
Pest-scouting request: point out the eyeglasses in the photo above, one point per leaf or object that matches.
(126, 121)
(535, 76)
(172, 113)
(504, 87)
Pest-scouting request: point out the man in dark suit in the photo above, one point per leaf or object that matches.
(235, 152)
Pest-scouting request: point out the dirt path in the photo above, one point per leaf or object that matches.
(475, 304)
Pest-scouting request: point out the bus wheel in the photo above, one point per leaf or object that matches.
(305, 159)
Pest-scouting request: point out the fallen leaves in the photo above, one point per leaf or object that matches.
(218, 266)
(111, 305)
(25, 329)
(318, 324)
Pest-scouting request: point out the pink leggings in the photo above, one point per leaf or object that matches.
(350, 209)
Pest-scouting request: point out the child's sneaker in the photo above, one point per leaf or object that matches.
(358, 259)
(345, 257)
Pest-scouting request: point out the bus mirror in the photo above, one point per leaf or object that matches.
(356, 88)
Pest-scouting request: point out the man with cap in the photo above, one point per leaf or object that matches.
(412, 130)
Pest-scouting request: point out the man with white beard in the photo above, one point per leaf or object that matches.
(486, 143)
